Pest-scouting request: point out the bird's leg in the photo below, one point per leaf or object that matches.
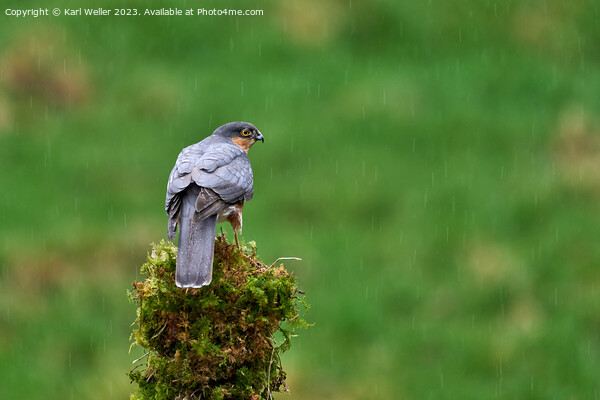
(235, 219)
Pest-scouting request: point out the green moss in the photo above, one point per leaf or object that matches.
(216, 342)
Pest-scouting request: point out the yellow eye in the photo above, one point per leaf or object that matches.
(245, 132)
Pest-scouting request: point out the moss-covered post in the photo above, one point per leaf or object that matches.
(216, 342)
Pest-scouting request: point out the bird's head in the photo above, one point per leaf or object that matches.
(244, 134)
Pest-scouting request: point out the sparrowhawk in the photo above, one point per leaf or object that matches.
(208, 184)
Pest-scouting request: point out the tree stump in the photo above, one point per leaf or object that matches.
(216, 342)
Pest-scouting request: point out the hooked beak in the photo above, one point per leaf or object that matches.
(260, 137)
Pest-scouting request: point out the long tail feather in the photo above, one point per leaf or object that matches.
(196, 245)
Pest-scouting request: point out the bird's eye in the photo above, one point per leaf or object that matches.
(245, 132)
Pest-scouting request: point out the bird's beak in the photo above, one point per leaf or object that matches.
(260, 137)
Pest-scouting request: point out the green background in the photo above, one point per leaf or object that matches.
(436, 165)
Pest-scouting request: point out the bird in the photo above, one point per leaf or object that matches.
(209, 183)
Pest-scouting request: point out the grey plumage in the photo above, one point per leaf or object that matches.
(196, 243)
(208, 179)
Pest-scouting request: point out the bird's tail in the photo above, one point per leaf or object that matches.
(196, 246)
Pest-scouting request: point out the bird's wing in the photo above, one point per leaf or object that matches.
(227, 172)
(222, 170)
(181, 177)
(218, 155)
(179, 180)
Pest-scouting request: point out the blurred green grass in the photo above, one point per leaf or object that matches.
(435, 164)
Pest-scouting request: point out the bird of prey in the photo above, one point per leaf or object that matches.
(208, 184)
